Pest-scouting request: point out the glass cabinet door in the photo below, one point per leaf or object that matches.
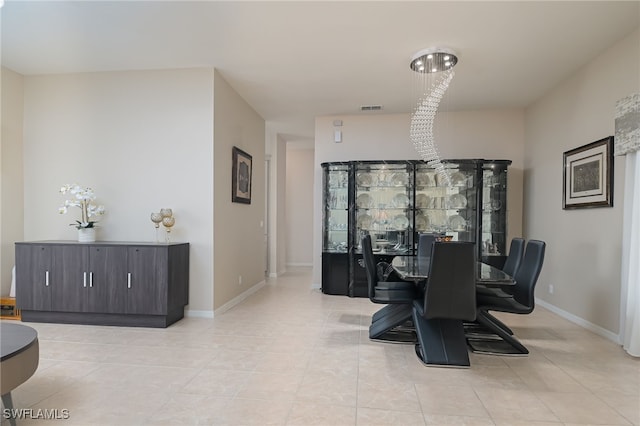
(384, 206)
(336, 208)
(494, 209)
(446, 209)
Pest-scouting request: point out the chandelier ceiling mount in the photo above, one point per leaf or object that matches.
(433, 59)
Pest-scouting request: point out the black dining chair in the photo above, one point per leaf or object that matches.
(388, 278)
(425, 241)
(516, 252)
(398, 295)
(511, 266)
(449, 300)
(522, 301)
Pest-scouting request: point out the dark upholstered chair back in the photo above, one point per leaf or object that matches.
(450, 290)
(369, 265)
(425, 241)
(516, 250)
(528, 273)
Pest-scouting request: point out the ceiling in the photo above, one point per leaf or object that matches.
(295, 60)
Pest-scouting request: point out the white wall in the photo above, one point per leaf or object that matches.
(299, 205)
(11, 189)
(583, 246)
(490, 134)
(143, 140)
(238, 228)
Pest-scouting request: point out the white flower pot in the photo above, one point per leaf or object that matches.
(86, 235)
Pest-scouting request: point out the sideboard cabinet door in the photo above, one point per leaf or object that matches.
(106, 292)
(68, 278)
(33, 276)
(147, 282)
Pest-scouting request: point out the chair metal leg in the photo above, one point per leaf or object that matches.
(476, 331)
(441, 342)
(497, 322)
(384, 328)
(487, 321)
(385, 311)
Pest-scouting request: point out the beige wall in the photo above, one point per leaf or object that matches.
(281, 207)
(143, 140)
(583, 246)
(238, 228)
(11, 189)
(276, 150)
(299, 206)
(490, 134)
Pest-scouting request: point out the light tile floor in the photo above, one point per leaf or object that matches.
(289, 355)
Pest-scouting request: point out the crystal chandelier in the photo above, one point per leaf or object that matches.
(434, 72)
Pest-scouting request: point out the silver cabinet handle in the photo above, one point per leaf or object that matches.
(46, 278)
(128, 279)
(84, 279)
(90, 279)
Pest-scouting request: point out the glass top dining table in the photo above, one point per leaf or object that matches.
(416, 268)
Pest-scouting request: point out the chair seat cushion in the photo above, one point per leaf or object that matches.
(501, 304)
(385, 295)
(395, 285)
(491, 292)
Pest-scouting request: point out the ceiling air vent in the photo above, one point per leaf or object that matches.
(370, 107)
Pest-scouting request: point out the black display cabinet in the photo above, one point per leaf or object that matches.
(337, 199)
(395, 201)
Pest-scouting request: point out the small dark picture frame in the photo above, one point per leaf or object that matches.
(588, 175)
(241, 178)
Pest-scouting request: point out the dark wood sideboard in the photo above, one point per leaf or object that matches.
(102, 283)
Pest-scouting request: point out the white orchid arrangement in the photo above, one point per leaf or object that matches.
(83, 199)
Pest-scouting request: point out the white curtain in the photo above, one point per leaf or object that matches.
(631, 256)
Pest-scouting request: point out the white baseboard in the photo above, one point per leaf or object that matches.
(239, 298)
(277, 273)
(198, 314)
(581, 322)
